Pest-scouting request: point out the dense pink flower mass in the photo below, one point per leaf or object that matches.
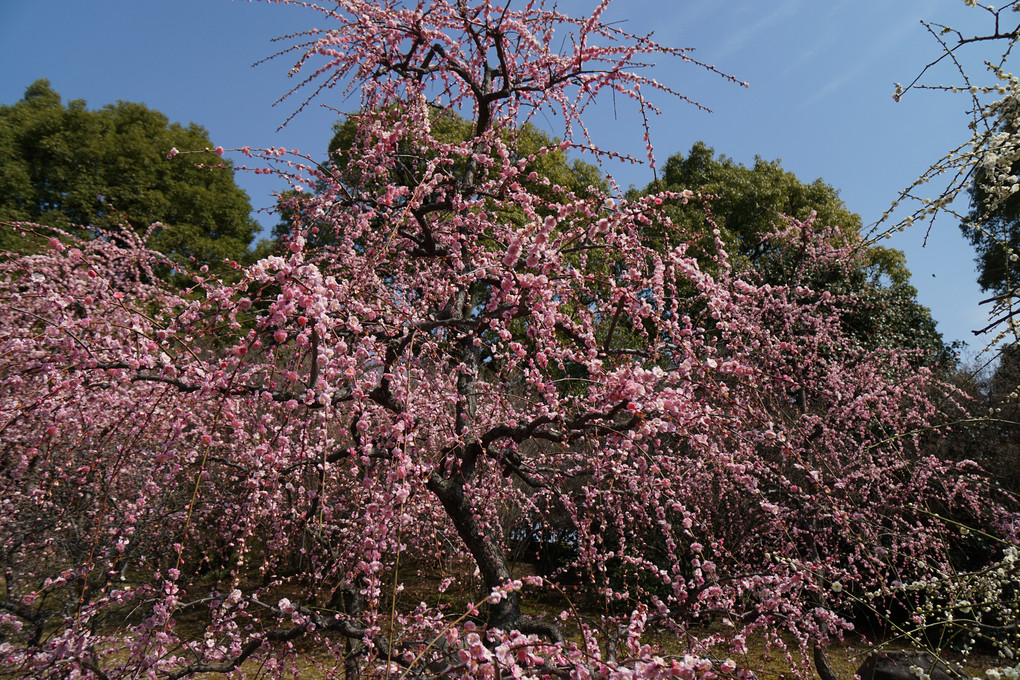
(453, 357)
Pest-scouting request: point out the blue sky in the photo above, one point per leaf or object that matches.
(821, 80)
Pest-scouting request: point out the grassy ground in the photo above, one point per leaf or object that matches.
(768, 662)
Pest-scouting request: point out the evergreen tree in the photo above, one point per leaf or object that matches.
(69, 167)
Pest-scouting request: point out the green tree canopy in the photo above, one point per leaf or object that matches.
(748, 202)
(70, 167)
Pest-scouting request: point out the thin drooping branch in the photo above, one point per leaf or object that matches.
(249, 648)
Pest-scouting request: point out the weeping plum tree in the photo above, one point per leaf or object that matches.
(251, 475)
(983, 167)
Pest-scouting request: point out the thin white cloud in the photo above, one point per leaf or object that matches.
(824, 34)
(866, 58)
(744, 37)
